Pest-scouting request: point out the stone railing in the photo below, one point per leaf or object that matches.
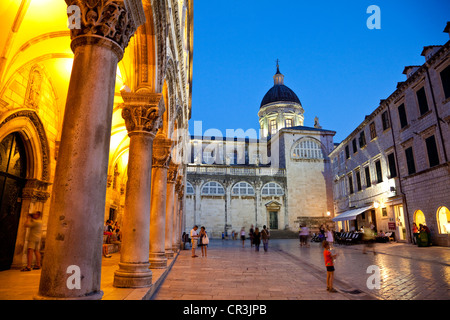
(236, 171)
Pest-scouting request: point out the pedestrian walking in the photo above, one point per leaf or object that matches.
(329, 237)
(265, 235)
(203, 241)
(250, 234)
(304, 233)
(34, 223)
(329, 264)
(368, 239)
(243, 236)
(194, 240)
(257, 239)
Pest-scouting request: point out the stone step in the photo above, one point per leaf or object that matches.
(283, 234)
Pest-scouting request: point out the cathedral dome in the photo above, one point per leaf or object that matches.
(279, 92)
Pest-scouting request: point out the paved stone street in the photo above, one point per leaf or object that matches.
(288, 271)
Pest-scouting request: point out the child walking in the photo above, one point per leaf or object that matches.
(329, 264)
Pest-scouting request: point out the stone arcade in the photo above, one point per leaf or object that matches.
(88, 130)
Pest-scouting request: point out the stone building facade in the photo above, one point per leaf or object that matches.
(90, 122)
(399, 174)
(281, 180)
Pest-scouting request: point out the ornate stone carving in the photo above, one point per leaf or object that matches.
(116, 20)
(32, 96)
(142, 111)
(172, 173)
(162, 148)
(36, 190)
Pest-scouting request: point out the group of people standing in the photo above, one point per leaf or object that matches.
(199, 239)
(256, 237)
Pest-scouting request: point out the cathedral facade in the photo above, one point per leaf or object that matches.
(281, 179)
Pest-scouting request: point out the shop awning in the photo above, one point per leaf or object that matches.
(351, 214)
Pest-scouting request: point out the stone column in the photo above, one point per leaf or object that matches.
(161, 157)
(142, 113)
(170, 206)
(180, 210)
(73, 253)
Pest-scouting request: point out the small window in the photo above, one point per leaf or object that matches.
(445, 79)
(288, 123)
(379, 171)
(355, 149)
(213, 188)
(243, 189)
(362, 139)
(433, 156)
(350, 184)
(402, 116)
(410, 160)
(273, 126)
(358, 180)
(373, 131)
(392, 167)
(272, 189)
(385, 120)
(367, 173)
(422, 100)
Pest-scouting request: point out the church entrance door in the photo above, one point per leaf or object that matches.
(273, 220)
(12, 180)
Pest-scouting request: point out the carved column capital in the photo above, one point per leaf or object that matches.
(162, 148)
(142, 112)
(103, 20)
(172, 173)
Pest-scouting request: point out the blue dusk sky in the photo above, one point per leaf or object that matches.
(337, 66)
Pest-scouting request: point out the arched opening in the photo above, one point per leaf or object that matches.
(443, 220)
(419, 218)
(13, 168)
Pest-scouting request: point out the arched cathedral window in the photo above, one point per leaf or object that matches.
(307, 149)
(189, 188)
(272, 189)
(213, 188)
(243, 189)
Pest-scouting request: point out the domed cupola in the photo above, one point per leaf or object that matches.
(280, 107)
(279, 92)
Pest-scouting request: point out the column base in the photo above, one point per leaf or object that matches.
(133, 275)
(93, 296)
(158, 260)
(169, 253)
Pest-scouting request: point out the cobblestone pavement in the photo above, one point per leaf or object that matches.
(290, 272)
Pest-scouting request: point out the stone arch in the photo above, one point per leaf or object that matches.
(243, 188)
(443, 220)
(419, 217)
(272, 189)
(213, 188)
(31, 129)
(308, 148)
